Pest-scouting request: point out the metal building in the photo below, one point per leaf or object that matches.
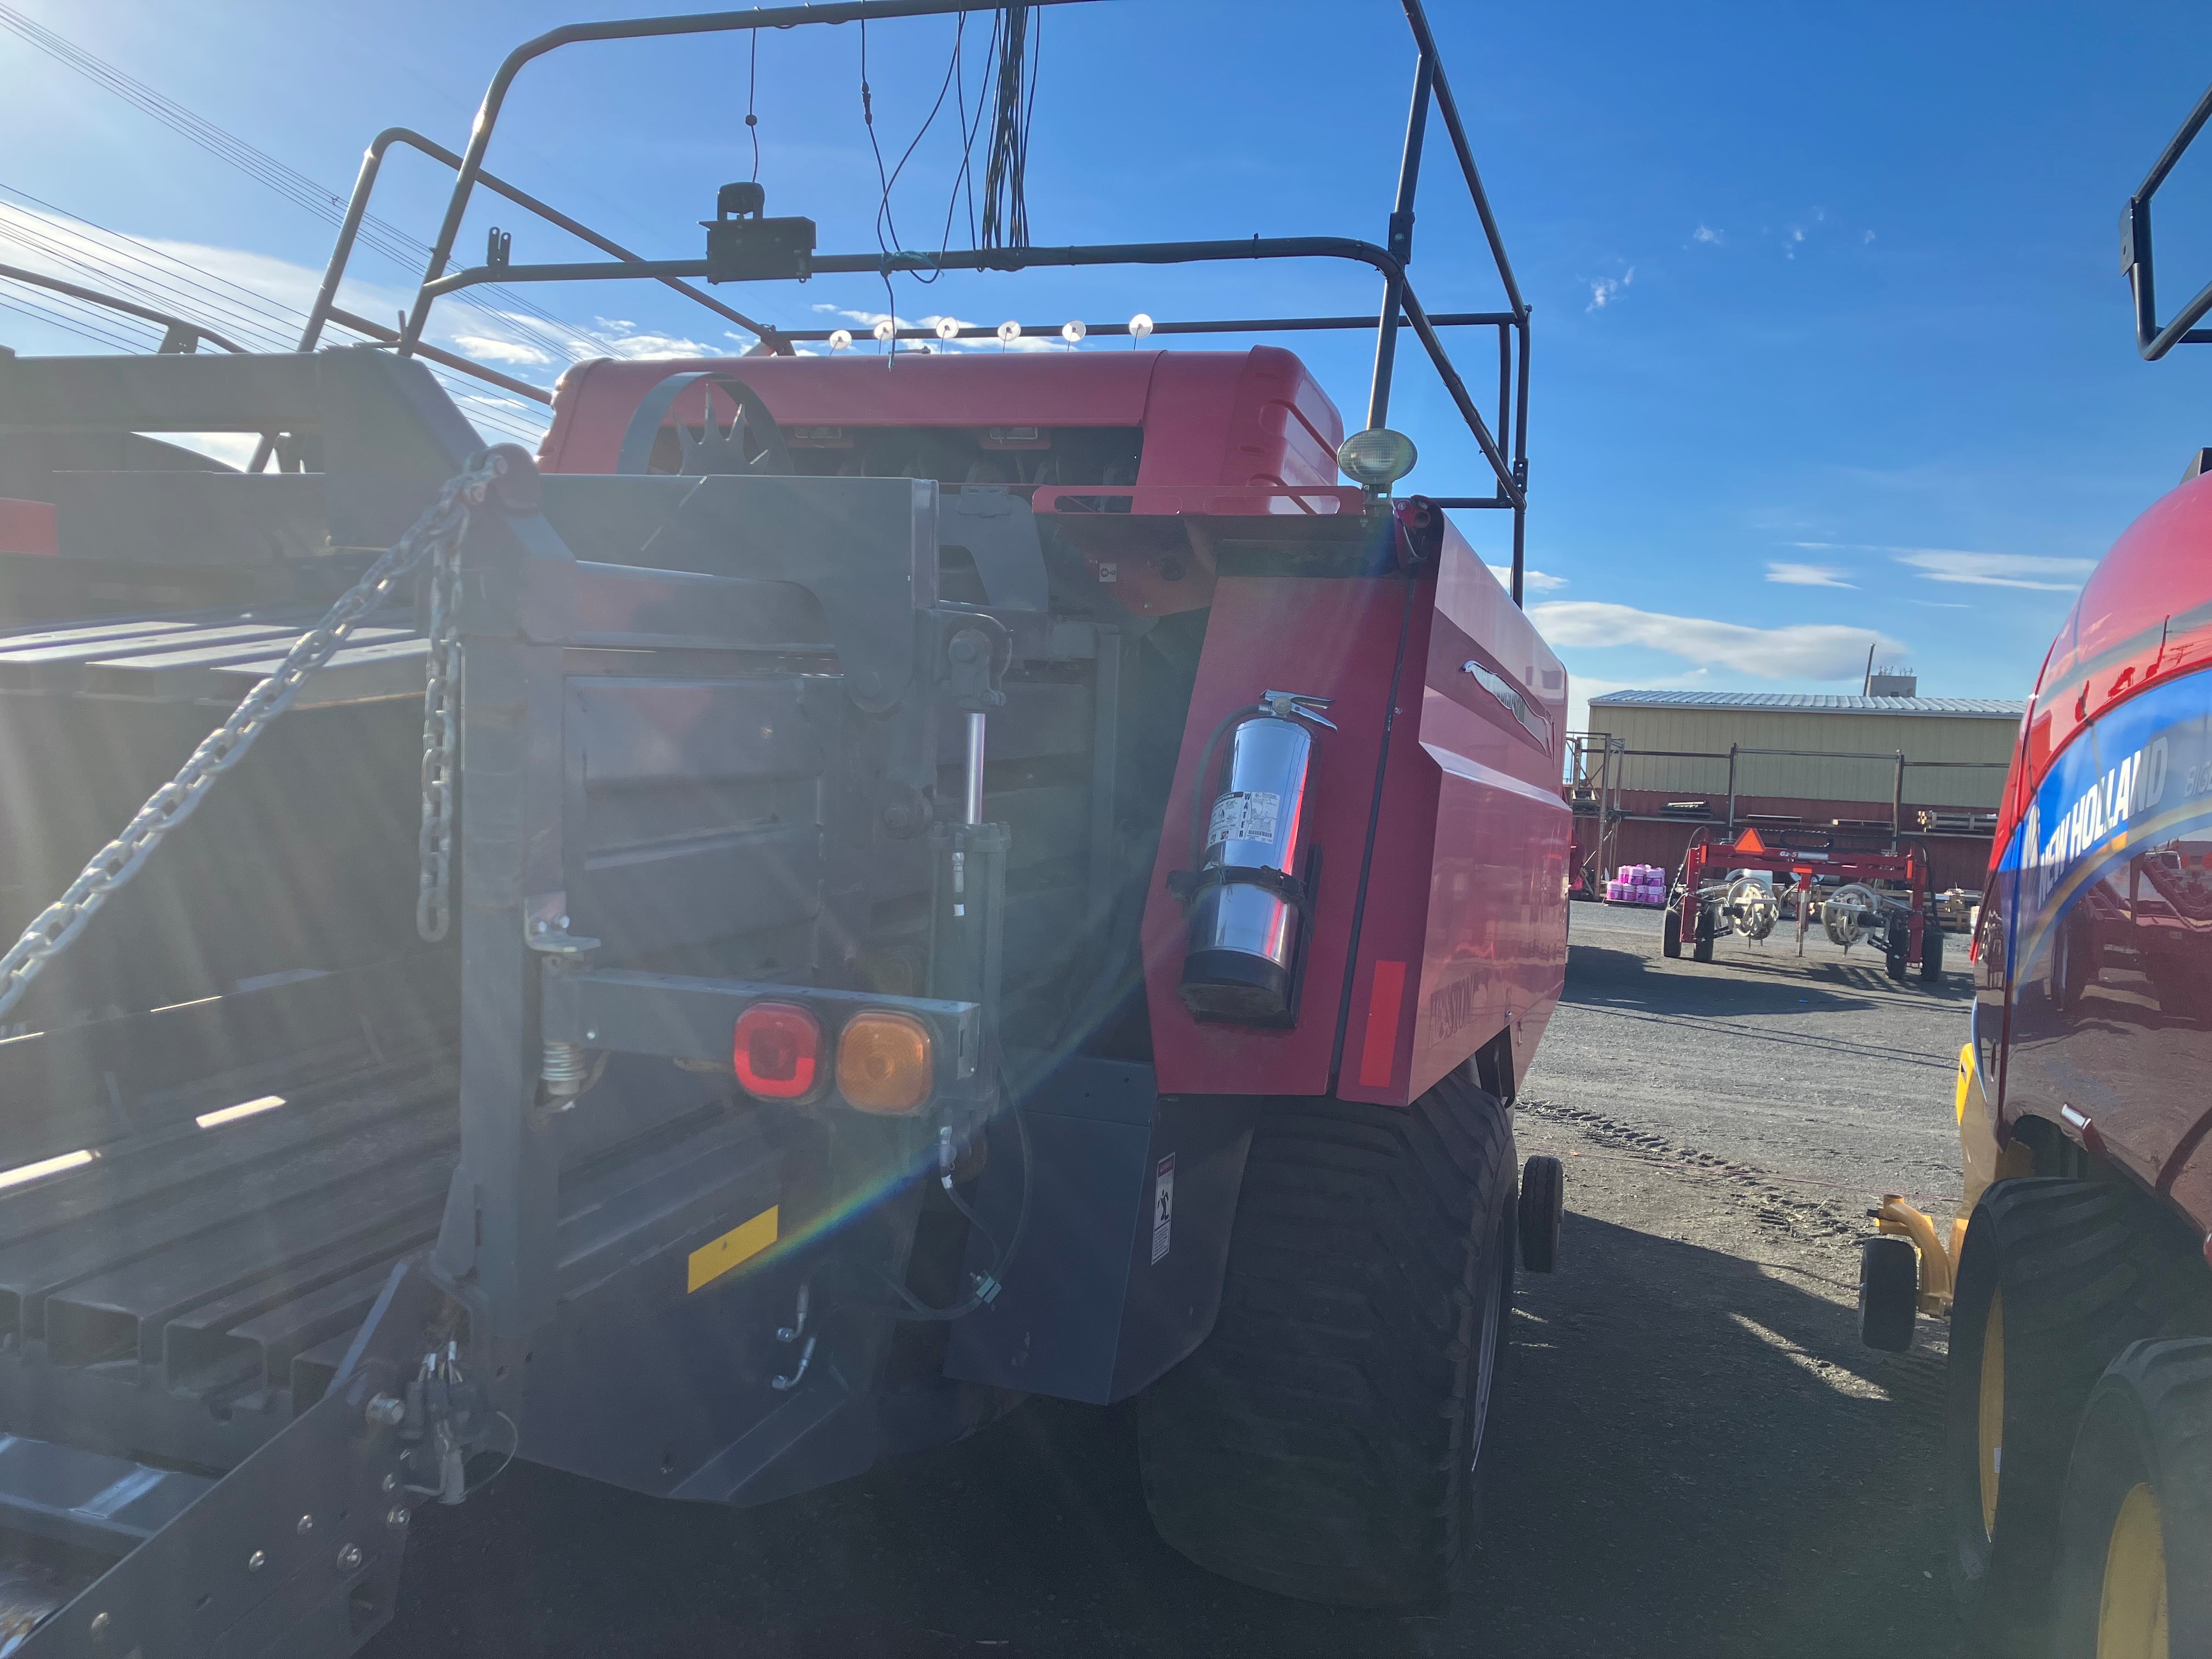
(1656, 766)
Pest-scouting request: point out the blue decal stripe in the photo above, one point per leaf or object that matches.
(2095, 862)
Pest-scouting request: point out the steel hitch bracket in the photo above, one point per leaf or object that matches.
(295, 1550)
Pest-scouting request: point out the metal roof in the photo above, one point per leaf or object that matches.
(1815, 703)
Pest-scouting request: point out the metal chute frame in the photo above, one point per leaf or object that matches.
(2154, 340)
(1504, 448)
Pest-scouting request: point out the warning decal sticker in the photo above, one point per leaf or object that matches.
(1245, 815)
(1164, 1200)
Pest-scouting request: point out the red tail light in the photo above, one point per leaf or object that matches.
(777, 1051)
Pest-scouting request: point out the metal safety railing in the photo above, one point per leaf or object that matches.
(1597, 777)
(1502, 437)
(2154, 340)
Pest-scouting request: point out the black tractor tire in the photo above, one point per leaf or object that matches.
(1543, 1204)
(1889, 1291)
(1931, 954)
(2072, 1284)
(2135, 1530)
(1896, 946)
(1325, 1442)
(1670, 934)
(1702, 951)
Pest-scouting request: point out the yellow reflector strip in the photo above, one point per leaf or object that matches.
(740, 1244)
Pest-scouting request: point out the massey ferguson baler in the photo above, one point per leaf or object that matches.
(914, 882)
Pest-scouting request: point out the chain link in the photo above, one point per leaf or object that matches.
(441, 692)
(437, 533)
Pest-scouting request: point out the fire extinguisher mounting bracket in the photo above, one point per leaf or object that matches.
(1285, 705)
(1189, 886)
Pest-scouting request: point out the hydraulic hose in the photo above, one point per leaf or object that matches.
(987, 1285)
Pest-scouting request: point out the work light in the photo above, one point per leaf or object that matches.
(1376, 458)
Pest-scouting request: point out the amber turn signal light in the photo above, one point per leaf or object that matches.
(883, 1062)
(777, 1050)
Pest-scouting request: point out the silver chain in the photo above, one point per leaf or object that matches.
(441, 691)
(437, 532)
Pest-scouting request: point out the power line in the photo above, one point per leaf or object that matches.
(46, 313)
(139, 271)
(383, 237)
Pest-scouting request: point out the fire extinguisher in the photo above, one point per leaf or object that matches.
(1249, 892)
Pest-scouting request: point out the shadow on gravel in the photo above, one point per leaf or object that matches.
(1599, 974)
(1686, 1456)
(1751, 974)
(1696, 1456)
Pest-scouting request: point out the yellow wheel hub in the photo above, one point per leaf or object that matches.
(2131, 1612)
(1990, 1418)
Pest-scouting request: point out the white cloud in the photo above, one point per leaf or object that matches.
(488, 350)
(1705, 233)
(1605, 289)
(1812, 651)
(1866, 237)
(1943, 564)
(1533, 581)
(1953, 564)
(1790, 242)
(621, 338)
(1806, 576)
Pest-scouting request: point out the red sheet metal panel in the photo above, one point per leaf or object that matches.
(1331, 637)
(1470, 873)
(26, 527)
(1463, 931)
(1246, 418)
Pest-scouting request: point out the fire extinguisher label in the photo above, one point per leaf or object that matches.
(1162, 1205)
(1245, 815)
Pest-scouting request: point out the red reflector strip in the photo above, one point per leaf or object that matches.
(1378, 1049)
(27, 527)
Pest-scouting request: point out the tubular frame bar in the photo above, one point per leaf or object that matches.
(358, 209)
(1430, 86)
(1212, 326)
(325, 307)
(129, 307)
(1120, 253)
(2152, 341)
(388, 336)
(471, 167)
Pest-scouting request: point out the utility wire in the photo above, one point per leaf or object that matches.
(884, 220)
(40, 311)
(1005, 174)
(140, 271)
(752, 86)
(964, 177)
(513, 311)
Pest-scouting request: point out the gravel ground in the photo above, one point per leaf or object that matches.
(1690, 1452)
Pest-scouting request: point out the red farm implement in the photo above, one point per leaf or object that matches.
(1858, 894)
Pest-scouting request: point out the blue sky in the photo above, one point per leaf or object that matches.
(1830, 341)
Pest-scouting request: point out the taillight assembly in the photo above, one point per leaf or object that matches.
(883, 1062)
(777, 1051)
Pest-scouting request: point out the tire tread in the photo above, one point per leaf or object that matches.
(1311, 1446)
